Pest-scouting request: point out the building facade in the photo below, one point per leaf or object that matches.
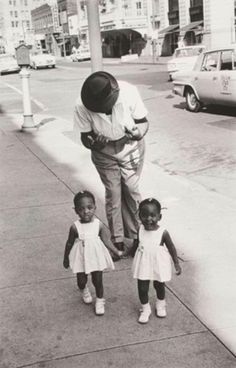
(188, 22)
(127, 26)
(15, 24)
(45, 22)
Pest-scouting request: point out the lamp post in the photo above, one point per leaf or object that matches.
(94, 35)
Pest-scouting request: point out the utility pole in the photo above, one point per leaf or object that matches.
(78, 19)
(62, 22)
(94, 35)
(153, 32)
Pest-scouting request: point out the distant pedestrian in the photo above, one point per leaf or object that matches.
(111, 120)
(86, 249)
(152, 261)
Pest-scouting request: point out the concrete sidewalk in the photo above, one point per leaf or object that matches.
(44, 322)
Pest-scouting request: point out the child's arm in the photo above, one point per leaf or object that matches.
(73, 234)
(172, 250)
(108, 243)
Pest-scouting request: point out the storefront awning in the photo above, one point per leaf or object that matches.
(168, 30)
(194, 26)
(122, 31)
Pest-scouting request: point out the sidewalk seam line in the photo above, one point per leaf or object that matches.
(199, 320)
(111, 348)
(52, 280)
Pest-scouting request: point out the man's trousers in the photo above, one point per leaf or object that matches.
(119, 166)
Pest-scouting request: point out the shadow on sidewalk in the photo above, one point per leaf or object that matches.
(45, 324)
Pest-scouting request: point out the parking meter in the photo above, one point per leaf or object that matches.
(23, 60)
(23, 55)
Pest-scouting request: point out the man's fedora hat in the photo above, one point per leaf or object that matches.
(99, 92)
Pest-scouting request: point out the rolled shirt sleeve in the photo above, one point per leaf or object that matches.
(137, 107)
(82, 122)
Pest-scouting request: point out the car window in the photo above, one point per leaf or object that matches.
(210, 61)
(226, 60)
(188, 52)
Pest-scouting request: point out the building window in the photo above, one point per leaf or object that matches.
(173, 5)
(14, 2)
(11, 13)
(194, 3)
(12, 24)
(10, 2)
(16, 14)
(138, 8)
(26, 2)
(16, 24)
(28, 24)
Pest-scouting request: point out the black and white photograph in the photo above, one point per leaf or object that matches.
(118, 183)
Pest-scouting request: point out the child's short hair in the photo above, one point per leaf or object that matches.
(83, 194)
(150, 201)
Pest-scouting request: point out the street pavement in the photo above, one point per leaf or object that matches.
(43, 320)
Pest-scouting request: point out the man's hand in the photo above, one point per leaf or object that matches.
(98, 142)
(94, 141)
(133, 134)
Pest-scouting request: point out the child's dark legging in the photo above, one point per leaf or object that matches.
(143, 288)
(82, 279)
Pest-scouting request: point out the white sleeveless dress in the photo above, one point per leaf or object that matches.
(89, 253)
(152, 260)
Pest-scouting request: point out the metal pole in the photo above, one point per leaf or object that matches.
(63, 35)
(153, 40)
(78, 19)
(28, 116)
(94, 35)
(64, 45)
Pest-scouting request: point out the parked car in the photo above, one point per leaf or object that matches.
(42, 59)
(213, 80)
(184, 58)
(83, 53)
(8, 64)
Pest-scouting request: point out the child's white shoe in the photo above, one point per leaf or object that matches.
(145, 313)
(86, 295)
(161, 308)
(100, 306)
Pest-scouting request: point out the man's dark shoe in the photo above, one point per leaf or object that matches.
(120, 246)
(115, 257)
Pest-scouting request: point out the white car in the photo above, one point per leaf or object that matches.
(8, 64)
(211, 82)
(42, 60)
(184, 59)
(83, 53)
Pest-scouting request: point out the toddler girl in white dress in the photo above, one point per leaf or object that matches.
(85, 251)
(152, 260)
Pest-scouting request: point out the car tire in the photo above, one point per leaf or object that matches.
(193, 104)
